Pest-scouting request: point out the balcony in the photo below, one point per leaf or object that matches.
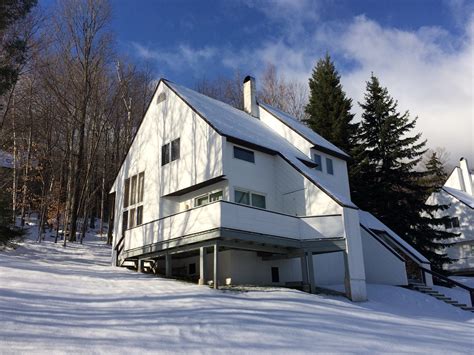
(231, 221)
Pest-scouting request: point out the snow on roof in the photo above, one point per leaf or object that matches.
(369, 221)
(460, 195)
(231, 122)
(303, 130)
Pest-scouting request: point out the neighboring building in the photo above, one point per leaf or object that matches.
(211, 192)
(458, 192)
(6, 160)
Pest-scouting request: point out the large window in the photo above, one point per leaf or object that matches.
(244, 154)
(209, 197)
(250, 198)
(133, 201)
(319, 161)
(170, 152)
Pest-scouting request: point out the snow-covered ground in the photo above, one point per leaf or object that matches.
(56, 300)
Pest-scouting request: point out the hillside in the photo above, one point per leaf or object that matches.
(71, 300)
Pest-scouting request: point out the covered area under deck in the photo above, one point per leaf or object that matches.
(212, 249)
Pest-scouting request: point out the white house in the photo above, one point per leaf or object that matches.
(246, 197)
(458, 192)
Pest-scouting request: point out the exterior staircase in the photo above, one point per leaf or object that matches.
(439, 296)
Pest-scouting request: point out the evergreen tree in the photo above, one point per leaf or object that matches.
(436, 172)
(12, 45)
(384, 180)
(328, 109)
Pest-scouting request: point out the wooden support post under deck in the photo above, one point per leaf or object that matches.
(216, 265)
(202, 266)
(168, 265)
(139, 265)
(312, 283)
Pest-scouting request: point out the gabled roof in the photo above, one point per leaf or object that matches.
(462, 196)
(244, 129)
(369, 221)
(311, 136)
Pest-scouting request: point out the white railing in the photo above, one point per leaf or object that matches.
(224, 214)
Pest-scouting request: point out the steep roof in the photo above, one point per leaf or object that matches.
(369, 221)
(241, 127)
(462, 196)
(319, 142)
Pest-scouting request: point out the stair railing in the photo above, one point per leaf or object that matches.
(450, 282)
(119, 247)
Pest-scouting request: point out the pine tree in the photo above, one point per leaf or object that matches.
(328, 108)
(384, 180)
(436, 172)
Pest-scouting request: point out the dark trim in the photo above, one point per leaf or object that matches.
(308, 163)
(344, 156)
(331, 152)
(196, 186)
(449, 193)
(324, 215)
(401, 246)
(250, 145)
(388, 247)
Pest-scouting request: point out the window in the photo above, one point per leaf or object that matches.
(161, 97)
(141, 186)
(210, 197)
(165, 154)
(202, 200)
(175, 149)
(452, 223)
(133, 201)
(329, 167)
(139, 215)
(258, 201)
(126, 193)
(124, 220)
(215, 196)
(192, 269)
(131, 223)
(472, 250)
(319, 161)
(275, 274)
(242, 197)
(133, 191)
(170, 152)
(250, 198)
(244, 154)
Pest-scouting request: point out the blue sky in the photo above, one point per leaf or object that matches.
(421, 50)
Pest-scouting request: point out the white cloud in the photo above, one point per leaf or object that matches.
(428, 71)
(183, 56)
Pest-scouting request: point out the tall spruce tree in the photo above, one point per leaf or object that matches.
(435, 172)
(328, 108)
(384, 180)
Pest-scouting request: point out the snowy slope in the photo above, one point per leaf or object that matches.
(70, 300)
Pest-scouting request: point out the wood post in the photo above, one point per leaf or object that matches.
(139, 265)
(304, 269)
(168, 265)
(312, 282)
(202, 266)
(216, 265)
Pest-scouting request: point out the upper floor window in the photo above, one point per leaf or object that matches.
(126, 193)
(319, 161)
(244, 154)
(329, 166)
(170, 152)
(250, 198)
